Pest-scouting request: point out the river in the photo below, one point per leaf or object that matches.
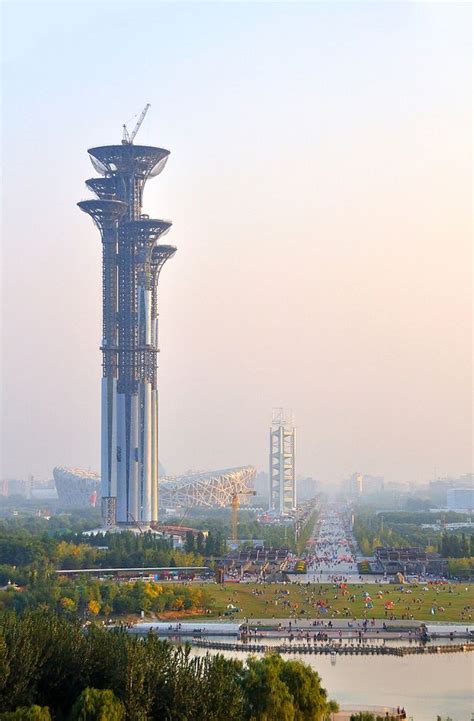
(425, 685)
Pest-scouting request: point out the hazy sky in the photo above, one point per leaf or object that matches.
(319, 187)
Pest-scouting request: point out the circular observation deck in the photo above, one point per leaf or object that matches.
(143, 161)
(145, 231)
(162, 253)
(106, 187)
(104, 212)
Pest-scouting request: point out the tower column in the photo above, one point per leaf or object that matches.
(106, 215)
(160, 254)
(137, 360)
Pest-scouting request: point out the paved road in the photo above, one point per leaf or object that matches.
(331, 558)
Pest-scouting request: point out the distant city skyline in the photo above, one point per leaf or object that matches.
(320, 190)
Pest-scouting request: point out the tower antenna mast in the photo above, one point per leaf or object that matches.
(128, 139)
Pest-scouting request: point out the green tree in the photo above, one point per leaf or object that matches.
(267, 696)
(332, 707)
(278, 690)
(200, 542)
(19, 659)
(221, 694)
(304, 684)
(24, 713)
(49, 660)
(209, 545)
(189, 543)
(97, 705)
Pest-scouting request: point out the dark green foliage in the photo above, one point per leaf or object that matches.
(404, 517)
(47, 660)
(32, 548)
(99, 675)
(190, 546)
(401, 528)
(453, 546)
(29, 556)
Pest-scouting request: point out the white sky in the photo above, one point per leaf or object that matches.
(319, 186)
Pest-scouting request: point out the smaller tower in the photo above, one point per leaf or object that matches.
(282, 462)
(159, 255)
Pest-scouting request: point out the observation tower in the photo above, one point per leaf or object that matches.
(132, 260)
(282, 491)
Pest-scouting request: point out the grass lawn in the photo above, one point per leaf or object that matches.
(273, 601)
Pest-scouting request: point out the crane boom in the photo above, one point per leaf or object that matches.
(127, 138)
(139, 122)
(135, 522)
(235, 505)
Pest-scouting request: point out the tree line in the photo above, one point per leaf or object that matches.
(50, 668)
(306, 531)
(210, 544)
(218, 522)
(454, 546)
(403, 529)
(89, 598)
(24, 554)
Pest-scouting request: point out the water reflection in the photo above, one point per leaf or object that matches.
(424, 685)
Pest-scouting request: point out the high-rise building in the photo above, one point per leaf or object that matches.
(132, 260)
(282, 495)
(362, 484)
(460, 499)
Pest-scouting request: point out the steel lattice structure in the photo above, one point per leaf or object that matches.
(214, 488)
(132, 261)
(75, 486)
(282, 462)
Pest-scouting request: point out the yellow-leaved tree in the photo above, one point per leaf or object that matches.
(93, 607)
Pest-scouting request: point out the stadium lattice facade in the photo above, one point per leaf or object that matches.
(214, 488)
(78, 488)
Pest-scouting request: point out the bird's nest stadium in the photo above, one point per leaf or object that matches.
(78, 488)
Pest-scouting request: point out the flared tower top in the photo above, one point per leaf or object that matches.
(145, 231)
(107, 187)
(162, 253)
(104, 212)
(159, 255)
(144, 161)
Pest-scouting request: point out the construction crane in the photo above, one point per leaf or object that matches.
(135, 523)
(128, 138)
(235, 505)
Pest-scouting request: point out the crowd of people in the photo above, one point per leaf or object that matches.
(329, 556)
